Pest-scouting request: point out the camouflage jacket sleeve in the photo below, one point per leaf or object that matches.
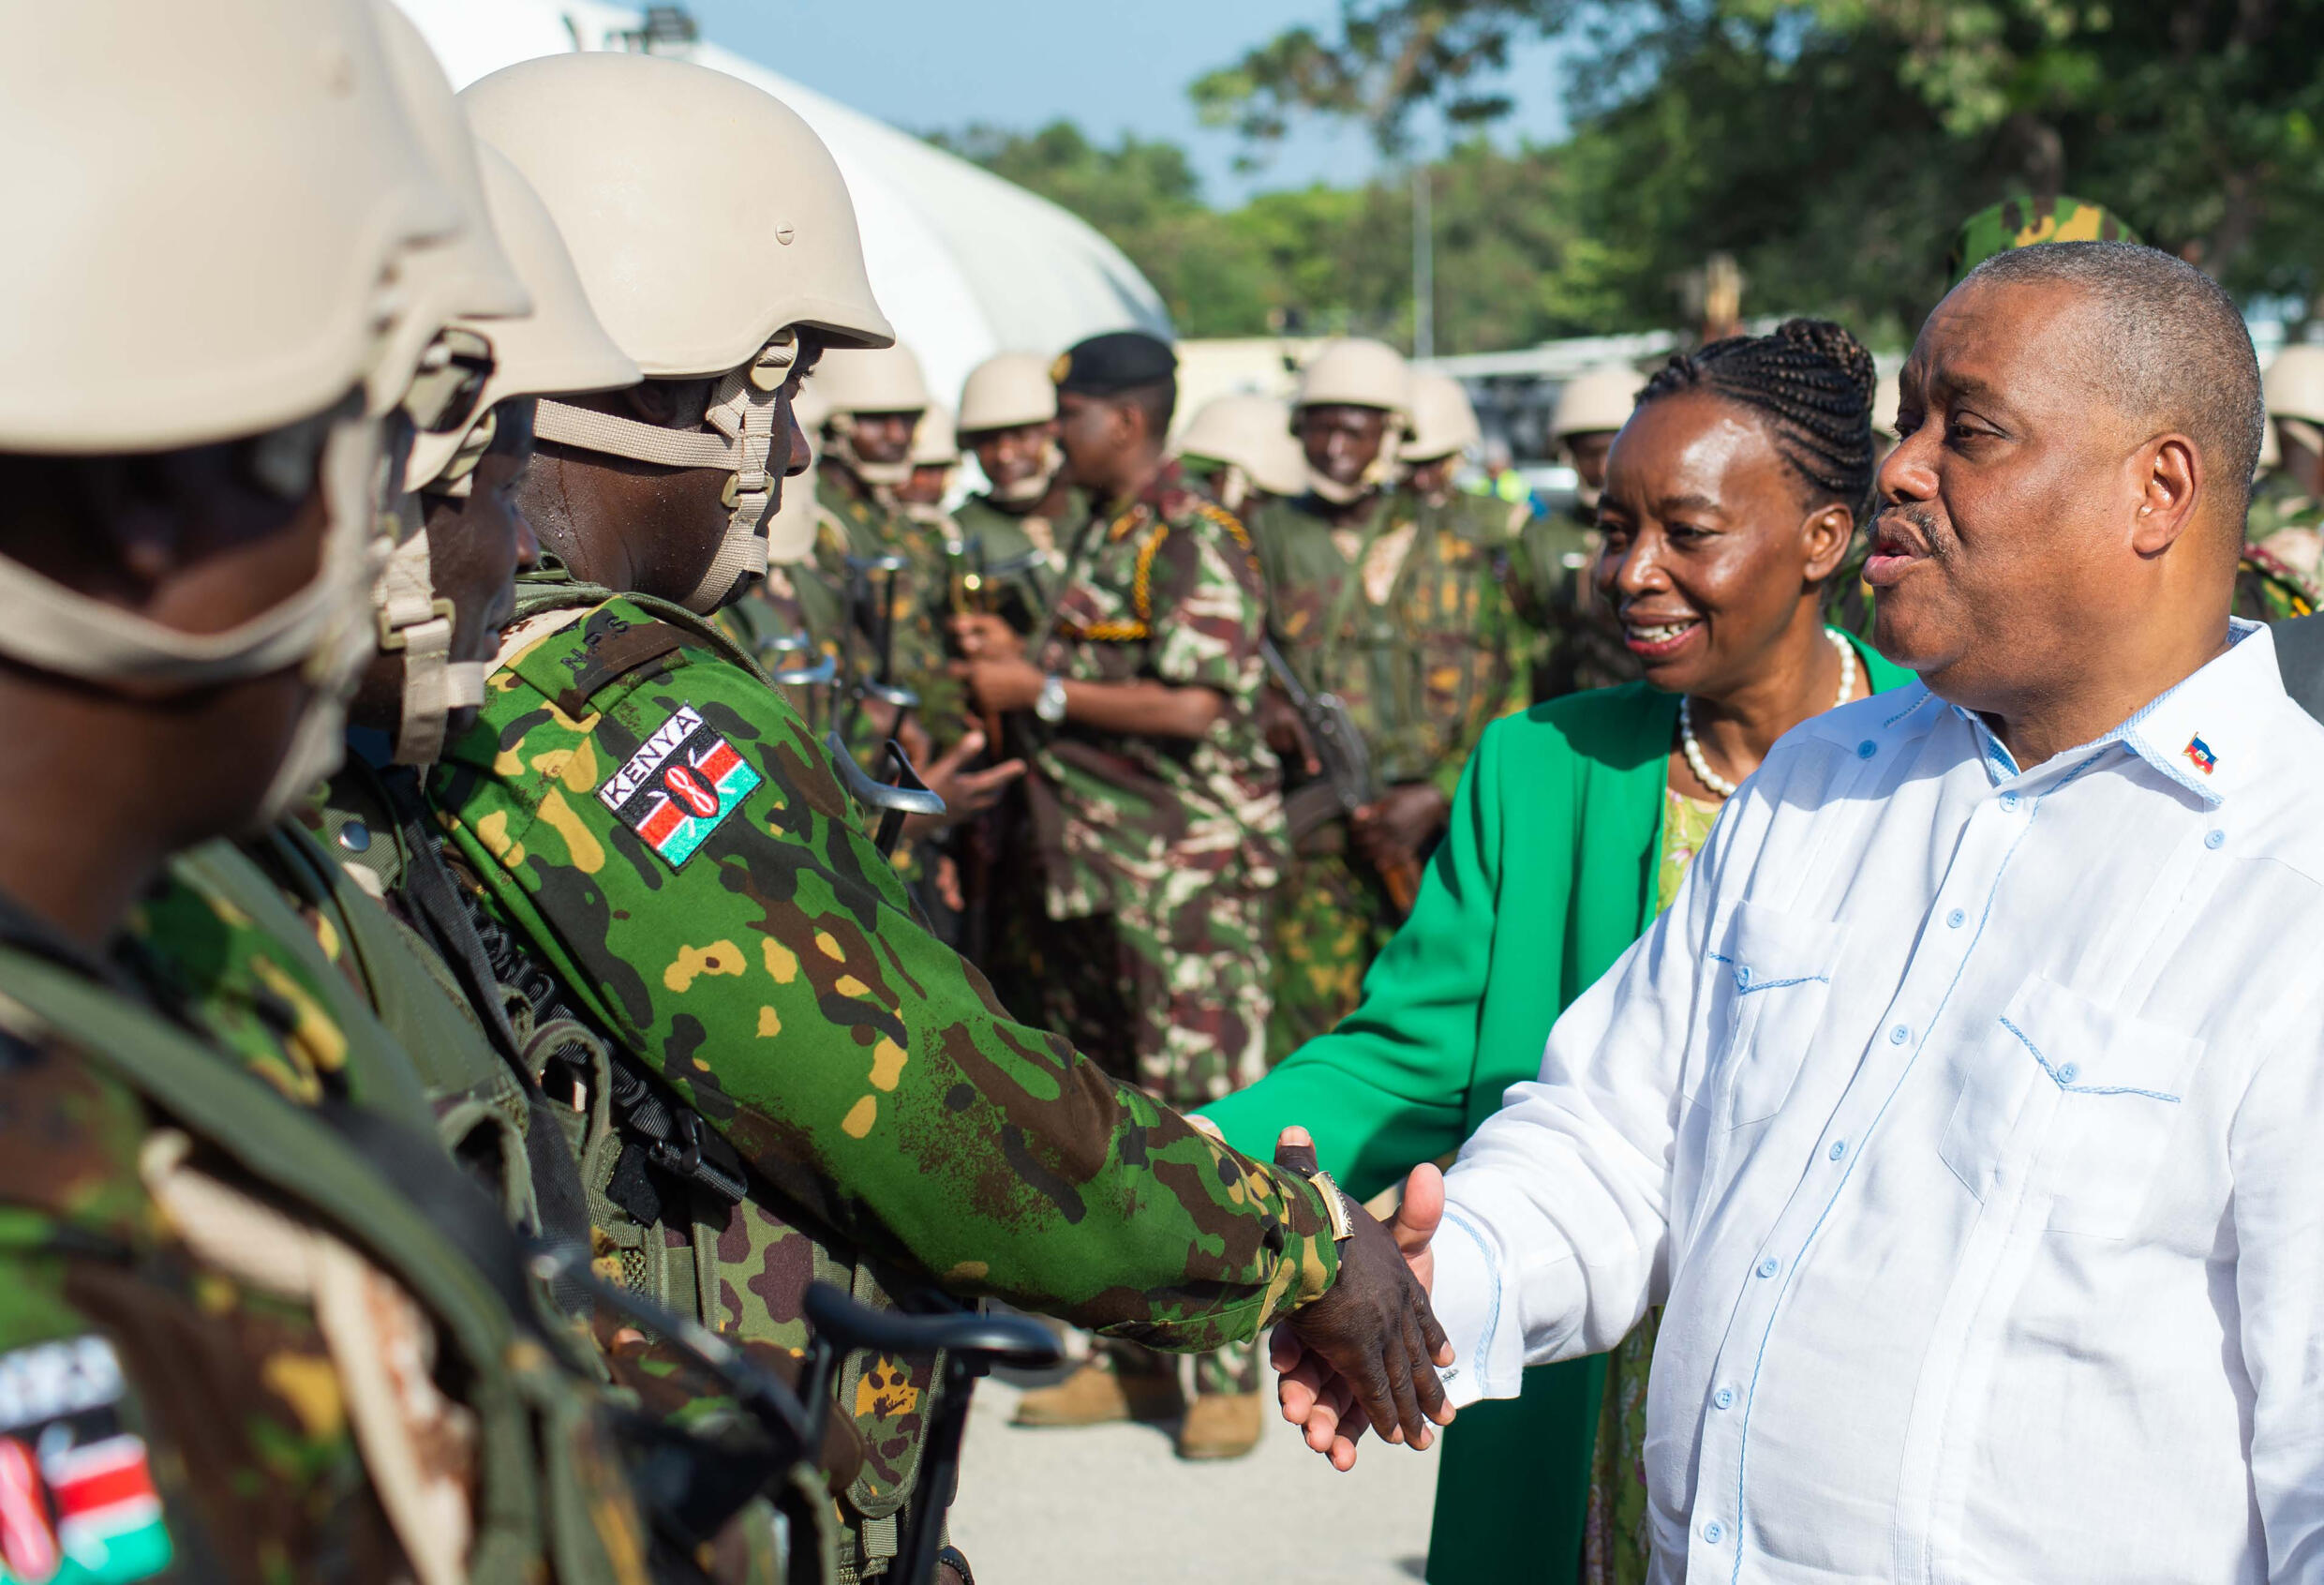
(158, 1416)
(1208, 600)
(670, 838)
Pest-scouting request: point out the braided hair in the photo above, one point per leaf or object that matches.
(1812, 382)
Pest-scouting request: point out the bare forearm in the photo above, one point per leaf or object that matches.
(1152, 709)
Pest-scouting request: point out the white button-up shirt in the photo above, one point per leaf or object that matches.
(1970, 1123)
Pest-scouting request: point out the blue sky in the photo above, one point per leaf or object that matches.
(1111, 66)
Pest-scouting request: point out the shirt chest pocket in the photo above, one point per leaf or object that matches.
(2072, 1100)
(1773, 981)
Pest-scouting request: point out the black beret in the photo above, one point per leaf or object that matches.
(1118, 361)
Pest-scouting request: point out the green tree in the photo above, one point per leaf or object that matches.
(1832, 144)
(1512, 266)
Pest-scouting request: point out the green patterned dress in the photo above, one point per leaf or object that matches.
(1615, 1544)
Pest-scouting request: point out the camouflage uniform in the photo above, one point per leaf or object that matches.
(1421, 671)
(219, 1297)
(2024, 220)
(665, 845)
(918, 659)
(1003, 535)
(1575, 643)
(1156, 854)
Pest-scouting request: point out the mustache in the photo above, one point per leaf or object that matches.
(1913, 521)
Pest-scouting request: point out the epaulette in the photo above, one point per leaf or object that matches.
(613, 643)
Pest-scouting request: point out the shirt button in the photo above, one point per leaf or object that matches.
(1955, 919)
(1866, 749)
(1742, 976)
(1839, 1148)
(2215, 841)
(2067, 1074)
(355, 836)
(1898, 1036)
(1724, 1399)
(1714, 1532)
(1768, 1268)
(2009, 801)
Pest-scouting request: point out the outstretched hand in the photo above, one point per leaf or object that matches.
(1367, 1351)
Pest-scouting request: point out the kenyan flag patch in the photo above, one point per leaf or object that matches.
(77, 1498)
(679, 786)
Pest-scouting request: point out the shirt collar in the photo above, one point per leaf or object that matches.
(2206, 732)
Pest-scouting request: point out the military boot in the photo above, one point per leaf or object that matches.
(1096, 1396)
(1221, 1426)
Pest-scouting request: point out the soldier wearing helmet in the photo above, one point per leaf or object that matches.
(1009, 422)
(1395, 608)
(281, 1341)
(1576, 645)
(780, 1073)
(1239, 447)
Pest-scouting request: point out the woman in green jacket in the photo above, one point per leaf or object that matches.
(1731, 498)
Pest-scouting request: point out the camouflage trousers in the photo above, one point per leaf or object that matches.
(1174, 1003)
(1330, 919)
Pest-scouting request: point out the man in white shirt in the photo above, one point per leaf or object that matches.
(1963, 1111)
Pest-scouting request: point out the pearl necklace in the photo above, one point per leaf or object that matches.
(1702, 766)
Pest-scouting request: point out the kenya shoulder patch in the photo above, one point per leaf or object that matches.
(679, 786)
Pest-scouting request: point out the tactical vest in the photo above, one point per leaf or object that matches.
(547, 1500)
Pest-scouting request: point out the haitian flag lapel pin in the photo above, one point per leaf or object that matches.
(2200, 751)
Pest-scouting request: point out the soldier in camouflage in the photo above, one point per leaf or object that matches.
(1576, 644)
(1008, 421)
(252, 1327)
(871, 401)
(1393, 605)
(800, 1081)
(1155, 805)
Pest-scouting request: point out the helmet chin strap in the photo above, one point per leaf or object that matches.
(1034, 486)
(322, 631)
(742, 415)
(839, 444)
(1586, 496)
(1377, 474)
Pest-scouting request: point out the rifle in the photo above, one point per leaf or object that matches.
(1348, 782)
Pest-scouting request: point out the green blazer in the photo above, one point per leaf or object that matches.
(1560, 811)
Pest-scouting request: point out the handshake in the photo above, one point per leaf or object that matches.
(1368, 1351)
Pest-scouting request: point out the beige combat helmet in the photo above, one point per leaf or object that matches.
(847, 384)
(1356, 372)
(1443, 422)
(558, 346)
(1596, 401)
(273, 131)
(1010, 391)
(2294, 390)
(710, 226)
(1251, 436)
(464, 276)
(934, 443)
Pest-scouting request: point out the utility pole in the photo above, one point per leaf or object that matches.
(1424, 265)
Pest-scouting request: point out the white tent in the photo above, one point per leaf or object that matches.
(965, 263)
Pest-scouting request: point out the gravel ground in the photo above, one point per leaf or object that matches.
(1114, 1506)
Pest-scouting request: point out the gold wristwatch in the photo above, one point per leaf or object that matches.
(1336, 1199)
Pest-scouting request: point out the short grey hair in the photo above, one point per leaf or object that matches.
(2175, 353)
